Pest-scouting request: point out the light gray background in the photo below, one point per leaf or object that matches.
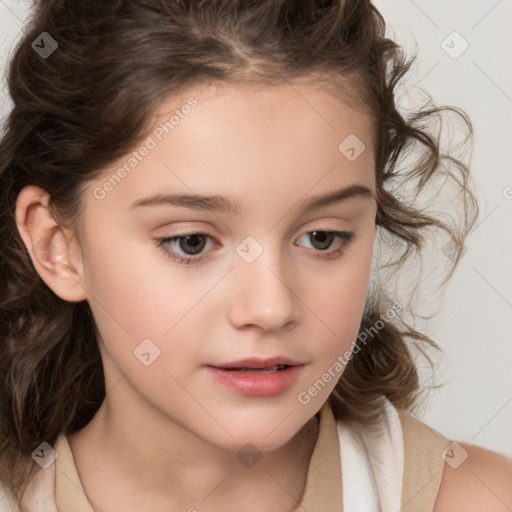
(474, 324)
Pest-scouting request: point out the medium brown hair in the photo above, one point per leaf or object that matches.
(88, 103)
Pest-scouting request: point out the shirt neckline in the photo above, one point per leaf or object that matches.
(323, 489)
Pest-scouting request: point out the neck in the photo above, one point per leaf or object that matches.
(124, 465)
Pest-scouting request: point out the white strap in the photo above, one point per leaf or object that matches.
(6, 501)
(39, 495)
(372, 463)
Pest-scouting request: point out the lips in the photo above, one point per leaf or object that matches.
(257, 376)
(258, 364)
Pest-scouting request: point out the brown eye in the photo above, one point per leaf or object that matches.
(189, 248)
(185, 248)
(192, 244)
(324, 239)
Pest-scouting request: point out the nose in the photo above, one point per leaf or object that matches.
(263, 295)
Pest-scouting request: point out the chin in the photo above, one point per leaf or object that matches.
(267, 435)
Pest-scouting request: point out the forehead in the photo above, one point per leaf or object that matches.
(312, 107)
(247, 142)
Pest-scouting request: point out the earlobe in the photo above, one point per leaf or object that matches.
(47, 245)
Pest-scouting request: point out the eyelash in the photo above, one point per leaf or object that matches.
(344, 236)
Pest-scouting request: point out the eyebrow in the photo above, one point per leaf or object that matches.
(223, 204)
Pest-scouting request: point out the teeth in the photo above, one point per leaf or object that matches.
(268, 369)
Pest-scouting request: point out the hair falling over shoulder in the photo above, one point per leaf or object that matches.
(90, 101)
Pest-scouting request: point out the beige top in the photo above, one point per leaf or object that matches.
(423, 468)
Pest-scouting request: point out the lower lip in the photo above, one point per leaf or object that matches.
(256, 384)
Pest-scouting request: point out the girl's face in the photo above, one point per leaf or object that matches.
(252, 282)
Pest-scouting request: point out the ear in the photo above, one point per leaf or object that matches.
(49, 245)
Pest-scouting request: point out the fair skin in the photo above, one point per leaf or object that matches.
(483, 482)
(269, 149)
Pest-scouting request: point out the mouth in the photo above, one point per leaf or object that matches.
(257, 376)
(258, 364)
(269, 369)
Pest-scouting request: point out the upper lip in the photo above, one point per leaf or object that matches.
(258, 362)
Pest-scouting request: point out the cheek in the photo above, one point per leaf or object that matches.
(133, 285)
(340, 293)
(338, 301)
(142, 303)
(143, 313)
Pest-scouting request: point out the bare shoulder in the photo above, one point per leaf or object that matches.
(483, 481)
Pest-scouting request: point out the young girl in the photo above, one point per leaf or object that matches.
(193, 315)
